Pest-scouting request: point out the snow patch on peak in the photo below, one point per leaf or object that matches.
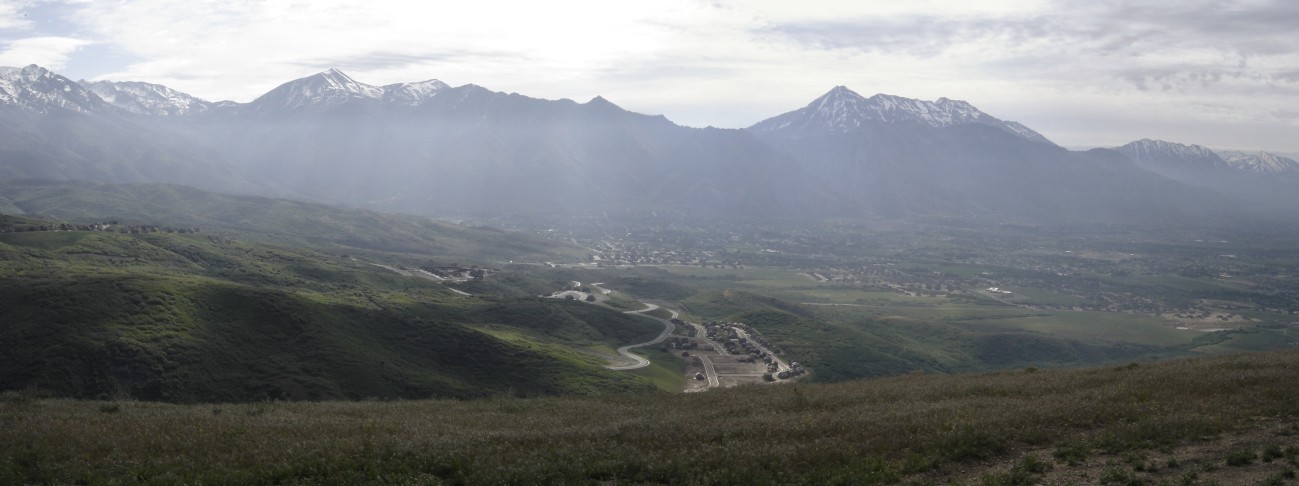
(147, 99)
(412, 94)
(1260, 162)
(38, 89)
(1158, 154)
(327, 88)
(1149, 146)
(843, 110)
(1155, 153)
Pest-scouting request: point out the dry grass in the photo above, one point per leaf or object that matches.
(880, 431)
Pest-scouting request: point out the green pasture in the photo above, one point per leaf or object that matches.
(43, 240)
(1110, 327)
(666, 371)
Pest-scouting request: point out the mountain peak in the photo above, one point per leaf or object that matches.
(600, 104)
(841, 91)
(843, 110)
(326, 88)
(29, 72)
(38, 89)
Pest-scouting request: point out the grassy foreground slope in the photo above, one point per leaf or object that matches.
(1223, 419)
(205, 317)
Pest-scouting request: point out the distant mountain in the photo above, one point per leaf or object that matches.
(54, 128)
(36, 89)
(429, 148)
(148, 99)
(1260, 162)
(898, 158)
(333, 88)
(412, 94)
(1264, 179)
(843, 110)
(328, 88)
(1160, 155)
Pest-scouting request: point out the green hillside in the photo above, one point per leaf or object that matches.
(187, 317)
(1220, 420)
(270, 220)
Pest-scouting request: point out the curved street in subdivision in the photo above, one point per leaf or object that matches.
(638, 361)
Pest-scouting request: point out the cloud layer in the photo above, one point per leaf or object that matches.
(1085, 73)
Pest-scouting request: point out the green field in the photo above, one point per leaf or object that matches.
(847, 330)
(666, 371)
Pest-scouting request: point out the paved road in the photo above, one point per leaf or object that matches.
(710, 372)
(702, 333)
(640, 362)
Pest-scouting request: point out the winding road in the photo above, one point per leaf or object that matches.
(637, 361)
(640, 362)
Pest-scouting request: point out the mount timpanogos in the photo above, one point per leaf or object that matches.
(430, 148)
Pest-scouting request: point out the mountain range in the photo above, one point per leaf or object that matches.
(430, 148)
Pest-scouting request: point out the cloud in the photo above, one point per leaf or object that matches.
(48, 52)
(12, 17)
(375, 40)
(1209, 31)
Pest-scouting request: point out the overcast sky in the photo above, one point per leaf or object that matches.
(1219, 73)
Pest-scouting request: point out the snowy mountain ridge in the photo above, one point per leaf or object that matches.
(38, 89)
(843, 110)
(1147, 150)
(147, 99)
(333, 87)
(412, 94)
(1260, 162)
(1158, 154)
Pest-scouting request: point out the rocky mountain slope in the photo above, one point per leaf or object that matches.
(426, 147)
(892, 157)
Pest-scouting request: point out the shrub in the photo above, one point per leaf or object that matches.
(1272, 452)
(1242, 457)
(1070, 453)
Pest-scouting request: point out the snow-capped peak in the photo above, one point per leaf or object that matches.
(147, 99)
(327, 88)
(38, 89)
(412, 94)
(1158, 155)
(1260, 162)
(1153, 153)
(843, 110)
